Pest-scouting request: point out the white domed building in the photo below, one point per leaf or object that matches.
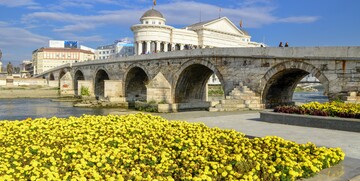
(153, 35)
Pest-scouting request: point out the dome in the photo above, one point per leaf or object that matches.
(152, 13)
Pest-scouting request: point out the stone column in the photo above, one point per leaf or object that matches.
(140, 50)
(136, 48)
(148, 47)
(157, 46)
(67, 85)
(181, 46)
(87, 84)
(114, 90)
(166, 47)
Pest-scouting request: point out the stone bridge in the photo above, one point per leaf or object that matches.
(256, 76)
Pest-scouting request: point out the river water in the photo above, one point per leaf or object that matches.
(19, 109)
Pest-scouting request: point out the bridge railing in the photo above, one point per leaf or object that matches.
(329, 53)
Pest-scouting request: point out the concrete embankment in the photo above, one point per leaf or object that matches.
(28, 92)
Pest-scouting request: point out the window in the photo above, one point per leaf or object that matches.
(146, 22)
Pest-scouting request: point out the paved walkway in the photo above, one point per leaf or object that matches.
(248, 122)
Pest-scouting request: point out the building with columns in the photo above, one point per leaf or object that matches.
(153, 35)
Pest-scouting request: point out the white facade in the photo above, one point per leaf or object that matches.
(120, 48)
(44, 59)
(153, 35)
(82, 47)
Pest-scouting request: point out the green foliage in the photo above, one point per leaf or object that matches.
(147, 108)
(85, 91)
(163, 102)
(152, 102)
(215, 90)
(150, 106)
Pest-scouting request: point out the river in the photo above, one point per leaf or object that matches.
(19, 109)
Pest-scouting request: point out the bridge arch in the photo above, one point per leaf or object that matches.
(62, 73)
(79, 75)
(136, 78)
(191, 79)
(51, 77)
(99, 81)
(280, 81)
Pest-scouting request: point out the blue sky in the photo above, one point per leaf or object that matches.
(26, 25)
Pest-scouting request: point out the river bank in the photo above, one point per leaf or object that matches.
(28, 92)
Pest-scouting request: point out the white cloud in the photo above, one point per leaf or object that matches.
(63, 4)
(190, 13)
(84, 23)
(255, 2)
(176, 13)
(18, 37)
(299, 19)
(75, 28)
(2, 23)
(17, 43)
(16, 3)
(87, 39)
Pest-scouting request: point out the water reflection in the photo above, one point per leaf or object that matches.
(305, 97)
(19, 109)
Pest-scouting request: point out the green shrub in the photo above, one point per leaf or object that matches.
(84, 91)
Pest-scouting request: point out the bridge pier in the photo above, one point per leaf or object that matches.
(87, 87)
(114, 91)
(159, 90)
(271, 73)
(66, 85)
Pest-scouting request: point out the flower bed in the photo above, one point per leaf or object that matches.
(334, 109)
(145, 147)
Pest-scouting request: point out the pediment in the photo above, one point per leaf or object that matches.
(223, 25)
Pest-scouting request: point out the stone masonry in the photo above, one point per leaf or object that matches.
(240, 98)
(180, 77)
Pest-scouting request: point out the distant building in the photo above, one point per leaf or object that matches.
(26, 69)
(58, 53)
(214, 80)
(82, 47)
(44, 59)
(63, 44)
(120, 48)
(153, 35)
